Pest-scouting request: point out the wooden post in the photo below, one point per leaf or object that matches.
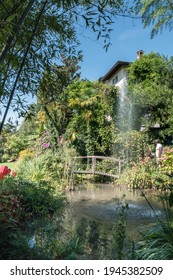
(71, 185)
(93, 165)
(119, 166)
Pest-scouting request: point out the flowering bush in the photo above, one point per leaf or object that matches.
(167, 161)
(42, 144)
(145, 175)
(27, 154)
(44, 140)
(13, 173)
(23, 204)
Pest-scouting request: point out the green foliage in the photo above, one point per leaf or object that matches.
(32, 198)
(12, 147)
(147, 69)
(92, 118)
(157, 13)
(26, 208)
(150, 90)
(167, 161)
(119, 234)
(52, 97)
(145, 175)
(129, 146)
(29, 128)
(79, 111)
(12, 142)
(35, 32)
(140, 176)
(33, 169)
(157, 243)
(50, 166)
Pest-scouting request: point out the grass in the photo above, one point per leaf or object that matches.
(11, 165)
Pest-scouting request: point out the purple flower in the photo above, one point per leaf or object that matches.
(46, 145)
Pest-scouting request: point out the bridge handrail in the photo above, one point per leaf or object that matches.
(101, 157)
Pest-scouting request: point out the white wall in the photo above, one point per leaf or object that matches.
(122, 78)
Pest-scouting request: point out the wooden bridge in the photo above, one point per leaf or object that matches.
(92, 168)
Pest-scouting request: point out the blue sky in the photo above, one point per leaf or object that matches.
(127, 38)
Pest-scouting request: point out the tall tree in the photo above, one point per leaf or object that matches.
(91, 126)
(151, 90)
(51, 94)
(82, 112)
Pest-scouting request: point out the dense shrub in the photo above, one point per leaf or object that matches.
(145, 175)
(167, 161)
(50, 166)
(11, 144)
(26, 208)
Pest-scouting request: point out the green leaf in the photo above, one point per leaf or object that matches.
(171, 199)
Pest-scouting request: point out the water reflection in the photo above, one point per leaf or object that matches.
(94, 210)
(101, 202)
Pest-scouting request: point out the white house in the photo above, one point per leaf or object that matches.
(117, 75)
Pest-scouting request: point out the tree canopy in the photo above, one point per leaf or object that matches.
(36, 33)
(158, 13)
(77, 110)
(151, 91)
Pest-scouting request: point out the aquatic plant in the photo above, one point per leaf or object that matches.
(118, 243)
(157, 242)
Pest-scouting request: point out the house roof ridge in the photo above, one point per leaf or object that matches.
(114, 68)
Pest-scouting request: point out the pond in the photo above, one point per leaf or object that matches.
(102, 202)
(93, 211)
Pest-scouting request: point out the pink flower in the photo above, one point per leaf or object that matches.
(46, 145)
(4, 170)
(13, 173)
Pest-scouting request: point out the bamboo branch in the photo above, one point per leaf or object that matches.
(21, 66)
(15, 31)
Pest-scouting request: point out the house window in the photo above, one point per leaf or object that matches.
(115, 80)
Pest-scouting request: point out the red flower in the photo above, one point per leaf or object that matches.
(4, 170)
(13, 173)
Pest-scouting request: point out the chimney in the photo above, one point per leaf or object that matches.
(139, 54)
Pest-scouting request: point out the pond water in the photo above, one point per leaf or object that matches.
(93, 213)
(102, 203)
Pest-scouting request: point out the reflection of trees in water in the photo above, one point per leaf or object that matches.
(94, 238)
(99, 240)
